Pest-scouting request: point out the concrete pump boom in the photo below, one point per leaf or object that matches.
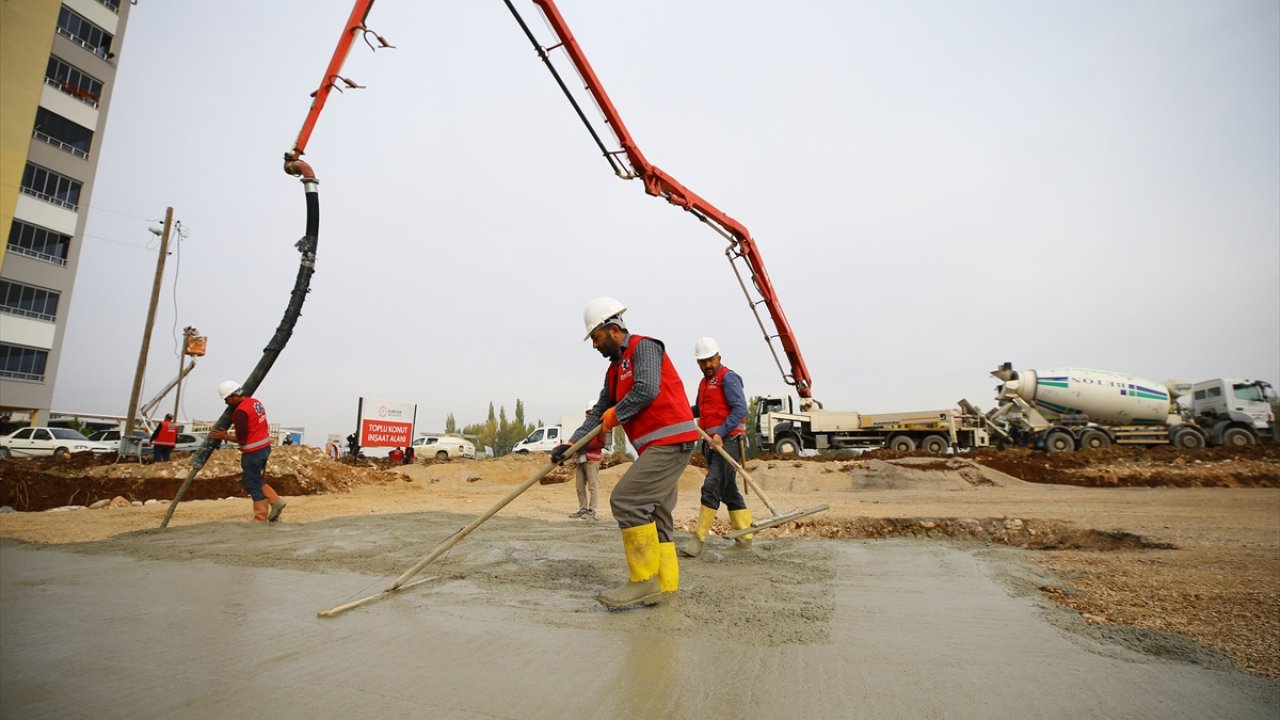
(629, 163)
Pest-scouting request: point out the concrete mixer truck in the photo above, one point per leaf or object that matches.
(1066, 409)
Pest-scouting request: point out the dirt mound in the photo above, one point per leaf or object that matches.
(1251, 466)
(33, 484)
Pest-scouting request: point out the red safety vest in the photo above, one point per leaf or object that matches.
(258, 435)
(596, 446)
(713, 408)
(168, 435)
(667, 420)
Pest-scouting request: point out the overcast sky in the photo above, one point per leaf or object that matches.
(935, 188)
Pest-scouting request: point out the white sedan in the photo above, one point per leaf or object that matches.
(46, 441)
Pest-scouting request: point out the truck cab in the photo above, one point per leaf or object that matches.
(1234, 411)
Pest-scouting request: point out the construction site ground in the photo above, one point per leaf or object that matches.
(1112, 583)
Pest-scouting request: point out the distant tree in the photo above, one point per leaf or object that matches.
(753, 439)
(450, 425)
(497, 432)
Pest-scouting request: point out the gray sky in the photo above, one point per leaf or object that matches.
(935, 188)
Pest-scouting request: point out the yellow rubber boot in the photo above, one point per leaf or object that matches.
(640, 543)
(740, 519)
(706, 516)
(668, 570)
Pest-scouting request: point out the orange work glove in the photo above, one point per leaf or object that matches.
(609, 420)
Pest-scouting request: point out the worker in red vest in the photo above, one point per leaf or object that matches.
(164, 438)
(253, 435)
(642, 393)
(721, 410)
(587, 476)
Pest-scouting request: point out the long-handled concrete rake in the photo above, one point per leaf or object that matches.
(443, 546)
(778, 518)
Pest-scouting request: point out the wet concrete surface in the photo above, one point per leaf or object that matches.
(219, 621)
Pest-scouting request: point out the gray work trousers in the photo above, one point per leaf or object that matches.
(647, 491)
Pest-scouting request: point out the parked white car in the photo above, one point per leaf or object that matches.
(443, 447)
(48, 441)
(111, 438)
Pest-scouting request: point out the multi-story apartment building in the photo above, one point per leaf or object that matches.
(59, 65)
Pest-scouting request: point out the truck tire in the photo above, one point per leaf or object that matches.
(1094, 440)
(934, 444)
(442, 455)
(1187, 439)
(902, 443)
(787, 446)
(1237, 437)
(1059, 441)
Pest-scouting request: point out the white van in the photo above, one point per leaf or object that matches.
(545, 439)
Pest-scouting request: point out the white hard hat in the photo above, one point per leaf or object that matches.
(228, 388)
(600, 310)
(705, 348)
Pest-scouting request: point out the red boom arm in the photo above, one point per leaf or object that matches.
(659, 183)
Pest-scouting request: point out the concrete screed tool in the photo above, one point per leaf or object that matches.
(778, 518)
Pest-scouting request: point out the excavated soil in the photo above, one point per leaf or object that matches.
(1166, 540)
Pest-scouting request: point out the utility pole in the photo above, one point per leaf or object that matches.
(126, 435)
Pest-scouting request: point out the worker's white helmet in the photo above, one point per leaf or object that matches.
(228, 388)
(600, 310)
(705, 348)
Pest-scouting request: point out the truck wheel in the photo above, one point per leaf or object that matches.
(1094, 440)
(934, 444)
(902, 443)
(1059, 441)
(787, 446)
(442, 455)
(1237, 437)
(1188, 439)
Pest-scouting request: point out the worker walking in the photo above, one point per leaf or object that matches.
(164, 438)
(253, 434)
(721, 411)
(587, 476)
(642, 392)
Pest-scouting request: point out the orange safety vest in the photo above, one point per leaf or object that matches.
(258, 435)
(713, 408)
(667, 420)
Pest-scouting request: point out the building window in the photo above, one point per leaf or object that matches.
(22, 363)
(112, 5)
(39, 243)
(91, 37)
(73, 81)
(62, 133)
(28, 301)
(51, 187)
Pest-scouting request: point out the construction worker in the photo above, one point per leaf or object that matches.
(642, 392)
(253, 434)
(721, 411)
(164, 438)
(587, 476)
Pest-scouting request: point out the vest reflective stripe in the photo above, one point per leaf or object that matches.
(667, 420)
(687, 430)
(168, 434)
(259, 433)
(713, 406)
